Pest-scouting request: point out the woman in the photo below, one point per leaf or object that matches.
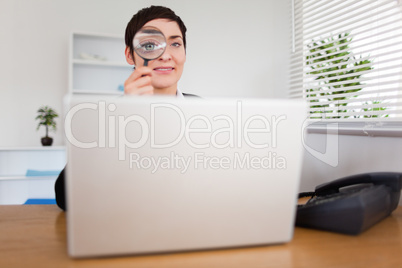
(161, 76)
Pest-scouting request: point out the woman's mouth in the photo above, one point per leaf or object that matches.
(163, 70)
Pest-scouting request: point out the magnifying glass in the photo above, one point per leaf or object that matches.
(149, 43)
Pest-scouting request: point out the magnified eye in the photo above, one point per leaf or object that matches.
(149, 43)
(149, 46)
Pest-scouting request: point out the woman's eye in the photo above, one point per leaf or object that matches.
(148, 46)
(176, 44)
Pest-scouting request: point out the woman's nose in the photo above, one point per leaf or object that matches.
(165, 56)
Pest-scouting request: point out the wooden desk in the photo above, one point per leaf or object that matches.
(35, 236)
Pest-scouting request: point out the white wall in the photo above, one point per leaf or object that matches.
(229, 52)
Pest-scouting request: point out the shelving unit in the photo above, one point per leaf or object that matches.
(15, 186)
(97, 64)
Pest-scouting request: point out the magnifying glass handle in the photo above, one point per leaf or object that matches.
(145, 64)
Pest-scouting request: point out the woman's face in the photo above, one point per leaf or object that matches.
(167, 69)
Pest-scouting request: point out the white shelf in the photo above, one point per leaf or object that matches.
(97, 35)
(34, 148)
(14, 178)
(95, 76)
(97, 92)
(15, 162)
(102, 63)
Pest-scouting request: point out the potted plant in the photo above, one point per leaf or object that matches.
(46, 116)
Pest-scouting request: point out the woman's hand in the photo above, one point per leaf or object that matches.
(139, 82)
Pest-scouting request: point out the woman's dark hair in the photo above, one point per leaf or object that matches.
(151, 13)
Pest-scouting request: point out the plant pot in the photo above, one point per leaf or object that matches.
(47, 141)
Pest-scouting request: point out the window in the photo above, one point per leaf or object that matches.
(347, 59)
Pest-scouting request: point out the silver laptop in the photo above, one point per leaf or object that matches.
(159, 174)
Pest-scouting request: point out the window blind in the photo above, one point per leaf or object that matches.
(347, 58)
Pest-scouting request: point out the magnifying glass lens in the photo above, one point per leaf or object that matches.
(149, 43)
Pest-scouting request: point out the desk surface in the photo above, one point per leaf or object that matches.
(35, 236)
